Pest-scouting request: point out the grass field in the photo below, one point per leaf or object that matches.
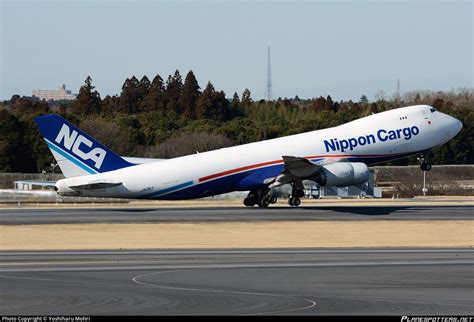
(239, 235)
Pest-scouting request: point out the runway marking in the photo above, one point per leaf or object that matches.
(382, 299)
(295, 296)
(246, 265)
(243, 302)
(335, 296)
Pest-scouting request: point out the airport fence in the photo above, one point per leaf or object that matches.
(404, 181)
(7, 179)
(442, 180)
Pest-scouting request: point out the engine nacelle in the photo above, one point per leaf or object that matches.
(343, 174)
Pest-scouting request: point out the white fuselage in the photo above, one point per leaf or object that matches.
(373, 139)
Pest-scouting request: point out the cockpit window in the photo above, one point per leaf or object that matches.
(432, 110)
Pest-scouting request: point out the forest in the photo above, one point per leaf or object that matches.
(166, 119)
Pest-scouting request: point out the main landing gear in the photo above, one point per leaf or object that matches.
(425, 161)
(296, 194)
(294, 201)
(262, 198)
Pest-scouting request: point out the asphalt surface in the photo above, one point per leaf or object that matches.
(232, 214)
(239, 282)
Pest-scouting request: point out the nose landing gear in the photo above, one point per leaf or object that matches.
(425, 166)
(425, 161)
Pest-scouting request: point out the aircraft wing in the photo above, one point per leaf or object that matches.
(296, 168)
(300, 167)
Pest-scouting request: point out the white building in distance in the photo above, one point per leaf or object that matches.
(54, 95)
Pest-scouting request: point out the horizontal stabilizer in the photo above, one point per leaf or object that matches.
(96, 185)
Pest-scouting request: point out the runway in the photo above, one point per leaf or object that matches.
(231, 214)
(238, 282)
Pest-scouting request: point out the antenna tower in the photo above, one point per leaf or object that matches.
(398, 88)
(269, 78)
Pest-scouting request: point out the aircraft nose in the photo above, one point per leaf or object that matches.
(457, 125)
(454, 125)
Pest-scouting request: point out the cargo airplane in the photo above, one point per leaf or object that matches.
(336, 156)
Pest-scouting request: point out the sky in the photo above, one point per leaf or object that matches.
(338, 48)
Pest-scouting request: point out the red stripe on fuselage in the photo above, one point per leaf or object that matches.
(263, 164)
(249, 167)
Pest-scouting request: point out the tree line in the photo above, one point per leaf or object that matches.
(140, 96)
(161, 119)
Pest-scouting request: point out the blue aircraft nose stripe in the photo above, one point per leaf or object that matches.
(70, 157)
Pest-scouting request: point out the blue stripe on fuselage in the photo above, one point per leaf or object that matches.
(248, 180)
(165, 191)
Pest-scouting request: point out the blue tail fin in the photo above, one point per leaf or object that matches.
(76, 152)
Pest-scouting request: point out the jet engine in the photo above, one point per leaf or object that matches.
(342, 174)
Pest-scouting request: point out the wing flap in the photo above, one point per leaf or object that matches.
(296, 169)
(299, 167)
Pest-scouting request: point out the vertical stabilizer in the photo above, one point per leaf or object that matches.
(76, 152)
